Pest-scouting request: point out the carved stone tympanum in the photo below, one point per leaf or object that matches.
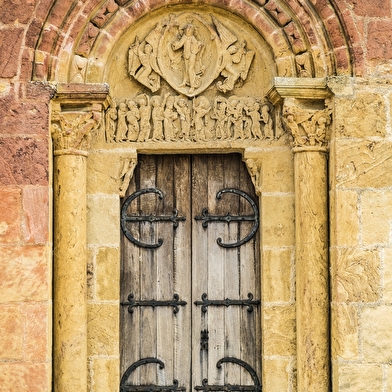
(190, 52)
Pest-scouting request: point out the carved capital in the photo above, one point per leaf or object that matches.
(71, 132)
(309, 128)
(76, 114)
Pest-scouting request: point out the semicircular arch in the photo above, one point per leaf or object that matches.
(304, 39)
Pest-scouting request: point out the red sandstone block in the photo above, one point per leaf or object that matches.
(33, 32)
(324, 8)
(371, 8)
(24, 118)
(35, 202)
(48, 39)
(37, 91)
(11, 332)
(379, 43)
(36, 335)
(10, 43)
(17, 10)
(336, 34)
(26, 66)
(59, 12)
(24, 161)
(10, 215)
(354, 28)
(24, 274)
(343, 61)
(358, 60)
(24, 377)
(43, 8)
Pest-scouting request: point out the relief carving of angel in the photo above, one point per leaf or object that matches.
(142, 64)
(235, 66)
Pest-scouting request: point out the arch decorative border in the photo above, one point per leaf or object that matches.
(307, 38)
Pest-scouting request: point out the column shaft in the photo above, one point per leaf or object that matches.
(311, 214)
(70, 277)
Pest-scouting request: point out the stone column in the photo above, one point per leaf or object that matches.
(308, 117)
(76, 113)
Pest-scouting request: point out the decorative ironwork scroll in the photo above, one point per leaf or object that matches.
(205, 302)
(174, 218)
(231, 387)
(175, 303)
(206, 217)
(126, 387)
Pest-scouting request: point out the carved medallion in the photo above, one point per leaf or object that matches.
(190, 52)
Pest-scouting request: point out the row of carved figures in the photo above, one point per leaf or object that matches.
(174, 118)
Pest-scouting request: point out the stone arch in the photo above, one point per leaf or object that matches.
(311, 32)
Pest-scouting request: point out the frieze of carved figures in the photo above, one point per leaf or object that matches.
(308, 127)
(178, 118)
(190, 52)
(73, 133)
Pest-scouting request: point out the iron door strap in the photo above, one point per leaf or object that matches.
(175, 303)
(205, 302)
(125, 386)
(256, 387)
(174, 218)
(206, 217)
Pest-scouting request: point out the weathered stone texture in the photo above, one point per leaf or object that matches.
(23, 161)
(35, 205)
(278, 217)
(376, 217)
(108, 276)
(345, 332)
(367, 106)
(345, 220)
(363, 163)
(10, 220)
(10, 44)
(377, 339)
(24, 275)
(103, 329)
(25, 377)
(277, 273)
(380, 39)
(279, 330)
(103, 214)
(104, 374)
(358, 378)
(356, 275)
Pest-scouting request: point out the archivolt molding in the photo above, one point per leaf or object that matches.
(74, 41)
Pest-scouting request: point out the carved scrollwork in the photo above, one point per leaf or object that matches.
(308, 127)
(190, 52)
(178, 118)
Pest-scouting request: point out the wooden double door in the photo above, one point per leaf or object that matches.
(190, 291)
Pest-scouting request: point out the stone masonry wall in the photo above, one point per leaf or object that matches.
(361, 251)
(361, 200)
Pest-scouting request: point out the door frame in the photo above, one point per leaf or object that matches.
(96, 184)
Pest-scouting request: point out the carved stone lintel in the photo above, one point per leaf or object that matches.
(308, 127)
(176, 118)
